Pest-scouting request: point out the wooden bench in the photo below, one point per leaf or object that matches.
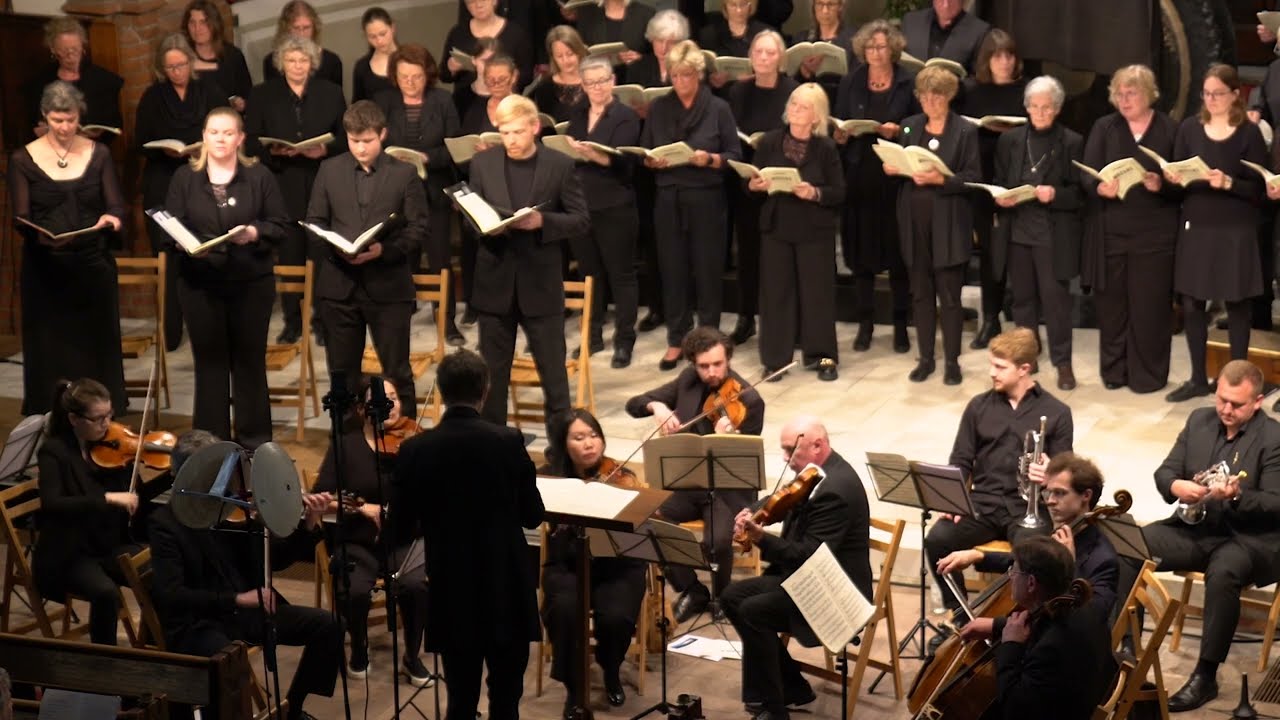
(219, 684)
(1264, 351)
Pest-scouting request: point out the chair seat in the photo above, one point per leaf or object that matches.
(525, 372)
(279, 356)
(419, 362)
(133, 346)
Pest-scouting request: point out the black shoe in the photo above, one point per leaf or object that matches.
(651, 321)
(1188, 391)
(862, 342)
(769, 373)
(936, 641)
(1199, 689)
(613, 691)
(990, 328)
(772, 715)
(317, 334)
(595, 347)
(621, 357)
(744, 330)
(359, 667)
(1112, 385)
(924, 368)
(1066, 378)
(951, 374)
(800, 696)
(901, 343)
(453, 335)
(288, 336)
(665, 364)
(691, 603)
(416, 672)
(827, 370)
(468, 318)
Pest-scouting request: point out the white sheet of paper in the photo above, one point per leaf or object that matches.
(716, 649)
(828, 600)
(575, 497)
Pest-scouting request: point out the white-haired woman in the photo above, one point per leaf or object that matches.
(1128, 247)
(1042, 236)
(667, 28)
(296, 105)
(798, 243)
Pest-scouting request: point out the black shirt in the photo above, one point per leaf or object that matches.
(979, 99)
(365, 83)
(706, 125)
(231, 73)
(607, 187)
(520, 179)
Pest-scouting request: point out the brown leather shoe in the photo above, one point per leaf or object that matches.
(1066, 378)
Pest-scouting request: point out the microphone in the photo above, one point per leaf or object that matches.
(378, 407)
(339, 397)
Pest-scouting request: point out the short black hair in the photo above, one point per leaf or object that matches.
(189, 443)
(702, 339)
(463, 378)
(1048, 561)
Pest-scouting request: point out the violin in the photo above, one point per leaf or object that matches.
(394, 434)
(612, 472)
(726, 401)
(777, 505)
(121, 445)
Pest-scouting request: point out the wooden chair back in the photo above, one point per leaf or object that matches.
(17, 505)
(578, 295)
(296, 279)
(433, 288)
(1160, 607)
(151, 273)
(136, 569)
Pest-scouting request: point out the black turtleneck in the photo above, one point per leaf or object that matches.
(520, 179)
(1031, 220)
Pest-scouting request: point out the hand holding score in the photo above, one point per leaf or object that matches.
(371, 252)
(531, 221)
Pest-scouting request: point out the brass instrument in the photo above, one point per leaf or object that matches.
(1032, 449)
(1216, 476)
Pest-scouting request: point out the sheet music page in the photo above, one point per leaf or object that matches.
(828, 600)
(480, 211)
(673, 462)
(739, 460)
(572, 496)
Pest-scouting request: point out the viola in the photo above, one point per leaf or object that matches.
(726, 401)
(612, 472)
(780, 503)
(394, 434)
(121, 445)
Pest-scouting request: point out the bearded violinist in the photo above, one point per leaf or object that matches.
(367, 469)
(617, 584)
(836, 513)
(674, 404)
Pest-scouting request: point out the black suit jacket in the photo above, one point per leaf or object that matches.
(521, 268)
(1096, 561)
(962, 45)
(1068, 199)
(1252, 520)
(685, 396)
(1062, 672)
(851, 103)
(952, 220)
(397, 189)
(787, 216)
(836, 513)
(274, 111)
(472, 486)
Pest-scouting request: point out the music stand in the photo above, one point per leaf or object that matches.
(414, 558)
(19, 448)
(685, 462)
(1125, 536)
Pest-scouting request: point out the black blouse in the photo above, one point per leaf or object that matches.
(275, 111)
(707, 125)
(607, 187)
(719, 39)
(1142, 212)
(596, 28)
(161, 116)
(979, 99)
(514, 40)
(252, 198)
(758, 108)
(65, 205)
(231, 73)
(1239, 206)
(438, 120)
(101, 90)
(558, 100)
(365, 83)
(360, 466)
(330, 67)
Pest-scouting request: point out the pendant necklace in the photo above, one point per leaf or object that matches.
(1035, 166)
(62, 159)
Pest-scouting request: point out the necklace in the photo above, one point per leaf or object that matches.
(62, 159)
(1035, 165)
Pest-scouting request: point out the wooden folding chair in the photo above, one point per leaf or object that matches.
(524, 374)
(296, 279)
(1186, 610)
(146, 272)
(1161, 608)
(432, 288)
(883, 602)
(324, 588)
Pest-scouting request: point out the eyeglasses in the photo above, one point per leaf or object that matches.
(177, 66)
(826, 5)
(1215, 94)
(98, 419)
(589, 84)
(877, 48)
(499, 80)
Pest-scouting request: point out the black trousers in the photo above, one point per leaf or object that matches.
(617, 591)
(546, 342)
(411, 598)
(228, 330)
(1133, 319)
(470, 248)
(690, 227)
(438, 245)
(864, 294)
(294, 249)
(797, 298)
(689, 505)
(608, 254)
(1196, 327)
(946, 537)
(928, 282)
(96, 580)
(1037, 292)
(506, 662)
(646, 194)
(759, 609)
(992, 283)
(345, 324)
(315, 630)
(746, 221)
(172, 303)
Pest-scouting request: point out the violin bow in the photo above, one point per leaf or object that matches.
(422, 411)
(142, 428)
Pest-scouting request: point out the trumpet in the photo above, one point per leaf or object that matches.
(1032, 449)
(1216, 476)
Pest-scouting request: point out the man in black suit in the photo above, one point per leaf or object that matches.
(207, 589)
(1072, 487)
(946, 31)
(373, 289)
(1055, 665)
(472, 487)
(1238, 542)
(518, 276)
(709, 353)
(836, 513)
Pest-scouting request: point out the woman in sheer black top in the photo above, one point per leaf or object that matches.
(559, 92)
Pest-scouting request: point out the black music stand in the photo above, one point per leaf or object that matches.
(415, 557)
(1125, 536)
(19, 448)
(707, 463)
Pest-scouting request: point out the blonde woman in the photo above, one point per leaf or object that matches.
(299, 19)
(798, 237)
(228, 291)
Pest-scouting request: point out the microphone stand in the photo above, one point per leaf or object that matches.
(338, 402)
(377, 410)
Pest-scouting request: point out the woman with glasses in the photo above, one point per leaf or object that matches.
(608, 252)
(690, 209)
(561, 91)
(172, 108)
(64, 182)
(298, 19)
(1216, 257)
(215, 58)
(882, 90)
(295, 105)
(84, 509)
(372, 73)
(1041, 237)
(420, 116)
(68, 45)
(730, 33)
(759, 104)
(995, 89)
(1128, 244)
(484, 23)
(827, 25)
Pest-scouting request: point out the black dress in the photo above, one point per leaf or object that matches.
(70, 299)
(365, 83)
(231, 74)
(101, 89)
(558, 100)
(596, 27)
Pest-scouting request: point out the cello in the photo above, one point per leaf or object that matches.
(970, 663)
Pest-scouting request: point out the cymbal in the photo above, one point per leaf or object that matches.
(198, 475)
(277, 490)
